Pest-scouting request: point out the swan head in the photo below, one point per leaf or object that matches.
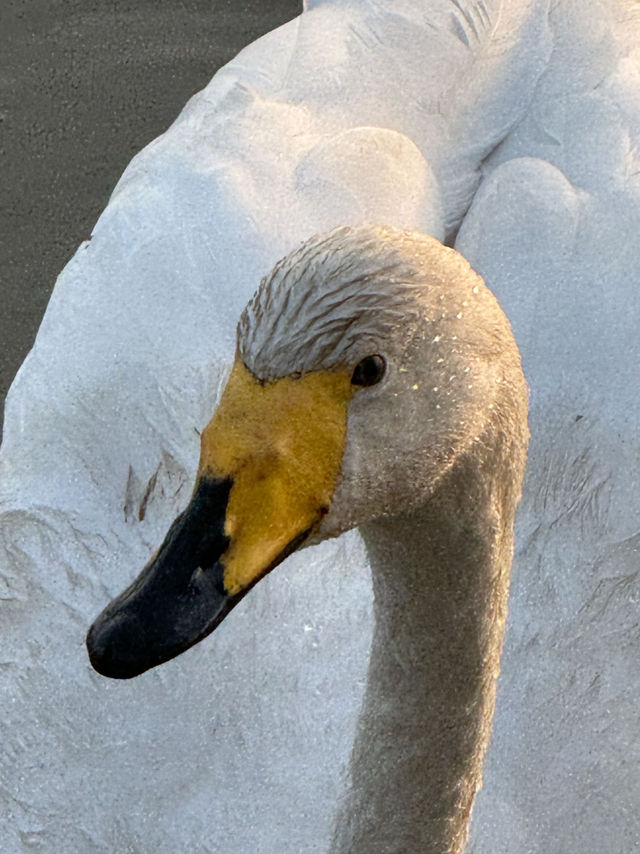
(368, 362)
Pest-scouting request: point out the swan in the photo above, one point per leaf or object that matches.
(509, 129)
(376, 384)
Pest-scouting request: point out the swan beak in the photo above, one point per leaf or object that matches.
(269, 463)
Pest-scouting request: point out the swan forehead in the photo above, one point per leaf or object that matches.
(340, 297)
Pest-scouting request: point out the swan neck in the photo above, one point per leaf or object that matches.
(440, 579)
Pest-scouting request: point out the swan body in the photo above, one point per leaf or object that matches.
(511, 128)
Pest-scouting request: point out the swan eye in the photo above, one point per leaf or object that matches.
(369, 371)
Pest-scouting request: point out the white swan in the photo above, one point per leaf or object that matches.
(517, 121)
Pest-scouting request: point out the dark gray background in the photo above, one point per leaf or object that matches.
(84, 85)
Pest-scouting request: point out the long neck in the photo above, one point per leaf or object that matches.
(441, 579)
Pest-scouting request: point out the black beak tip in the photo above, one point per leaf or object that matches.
(107, 656)
(174, 602)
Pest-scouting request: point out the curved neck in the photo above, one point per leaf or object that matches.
(441, 579)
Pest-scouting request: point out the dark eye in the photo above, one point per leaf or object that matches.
(369, 371)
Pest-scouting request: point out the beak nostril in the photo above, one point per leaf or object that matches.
(204, 579)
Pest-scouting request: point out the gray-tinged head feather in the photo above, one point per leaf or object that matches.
(327, 303)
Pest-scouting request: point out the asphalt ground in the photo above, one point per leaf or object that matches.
(84, 85)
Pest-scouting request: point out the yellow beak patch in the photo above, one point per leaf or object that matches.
(282, 445)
